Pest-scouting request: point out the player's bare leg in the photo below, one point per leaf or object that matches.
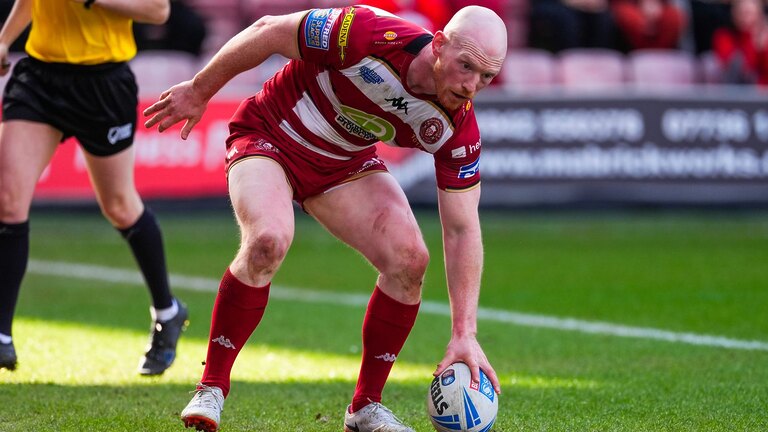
(372, 215)
(262, 200)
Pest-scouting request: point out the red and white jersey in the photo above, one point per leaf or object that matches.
(349, 91)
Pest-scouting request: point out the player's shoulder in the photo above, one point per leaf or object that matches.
(388, 30)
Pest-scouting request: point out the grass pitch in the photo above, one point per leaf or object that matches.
(79, 339)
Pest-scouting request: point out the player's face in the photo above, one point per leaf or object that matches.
(461, 70)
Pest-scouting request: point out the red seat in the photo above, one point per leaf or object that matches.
(591, 69)
(528, 69)
(662, 68)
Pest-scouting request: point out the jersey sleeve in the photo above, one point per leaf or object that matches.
(336, 37)
(457, 163)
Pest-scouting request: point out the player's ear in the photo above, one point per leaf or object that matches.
(438, 43)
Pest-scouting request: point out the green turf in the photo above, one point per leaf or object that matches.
(79, 340)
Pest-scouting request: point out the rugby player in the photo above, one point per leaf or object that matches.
(356, 76)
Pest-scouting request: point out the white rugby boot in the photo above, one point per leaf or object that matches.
(373, 417)
(203, 412)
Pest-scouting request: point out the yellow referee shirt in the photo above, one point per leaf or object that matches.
(63, 31)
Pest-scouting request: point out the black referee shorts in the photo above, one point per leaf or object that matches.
(96, 104)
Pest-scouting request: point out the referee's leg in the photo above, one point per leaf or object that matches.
(25, 149)
(113, 182)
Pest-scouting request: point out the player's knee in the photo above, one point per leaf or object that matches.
(410, 264)
(121, 212)
(12, 210)
(265, 251)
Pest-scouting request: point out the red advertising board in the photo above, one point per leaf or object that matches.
(166, 165)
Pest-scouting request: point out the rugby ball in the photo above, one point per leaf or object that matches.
(456, 404)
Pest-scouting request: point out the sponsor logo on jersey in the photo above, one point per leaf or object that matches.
(354, 128)
(346, 24)
(317, 28)
(118, 133)
(387, 357)
(474, 147)
(370, 76)
(431, 130)
(468, 171)
(390, 35)
(380, 128)
(399, 104)
(459, 153)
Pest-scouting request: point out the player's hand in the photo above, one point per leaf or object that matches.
(178, 103)
(467, 350)
(5, 64)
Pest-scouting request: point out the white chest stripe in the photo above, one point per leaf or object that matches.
(379, 83)
(313, 120)
(286, 127)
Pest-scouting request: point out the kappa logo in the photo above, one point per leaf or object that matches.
(231, 153)
(387, 357)
(221, 340)
(399, 104)
(346, 25)
(118, 133)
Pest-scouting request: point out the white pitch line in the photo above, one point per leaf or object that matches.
(109, 274)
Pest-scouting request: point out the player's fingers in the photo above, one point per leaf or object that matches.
(447, 361)
(157, 106)
(5, 66)
(474, 370)
(168, 122)
(154, 120)
(491, 374)
(188, 127)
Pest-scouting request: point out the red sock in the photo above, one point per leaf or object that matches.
(386, 326)
(236, 313)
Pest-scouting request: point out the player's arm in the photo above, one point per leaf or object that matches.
(143, 11)
(248, 49)
(463, 250)
(18, 20)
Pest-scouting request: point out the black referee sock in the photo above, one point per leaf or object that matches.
(146, 242)
(14, 254)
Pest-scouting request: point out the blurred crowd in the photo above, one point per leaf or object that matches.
(734, 32)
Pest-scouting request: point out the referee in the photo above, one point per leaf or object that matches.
(76, 83)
